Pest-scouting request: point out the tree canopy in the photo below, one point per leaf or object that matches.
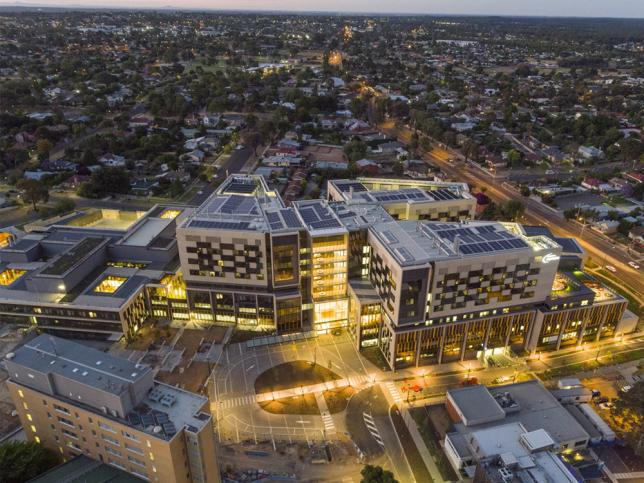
(21, 461)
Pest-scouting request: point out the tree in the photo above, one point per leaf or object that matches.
(355, 150)
(43, 147)
(629, 412)
(375, 474)
(105, 180)
(21, 461)
(34, 191)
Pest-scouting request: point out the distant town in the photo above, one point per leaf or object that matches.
(282, 247)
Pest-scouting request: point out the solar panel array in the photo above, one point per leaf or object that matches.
(480, 239)
(318, 216)
(239, 205)
(402, 195)
(412, 194)
(224, 225)
(346, 187)
(443, 194)
(291, 219)
(283, 219)
(240, 187)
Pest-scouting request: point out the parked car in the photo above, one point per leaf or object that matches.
(606, 406)
(634, 265)
(610, 268)
(626, 388)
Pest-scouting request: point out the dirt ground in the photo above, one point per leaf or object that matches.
(292, 374)
(325, 153)
(304, 405)
(337, 399)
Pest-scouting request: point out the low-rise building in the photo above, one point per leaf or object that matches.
(77, 400)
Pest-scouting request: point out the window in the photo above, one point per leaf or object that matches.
(69, 433)
(134, 449)
(136, 461)
(66, 422)
(106, 427)
(37, 439)
(33, 428)
(110, 440)
(112, 451)
(110, 284)
(131, 436)
(61, 409)
(20, 393)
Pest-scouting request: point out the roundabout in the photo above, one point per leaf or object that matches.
(289, 392)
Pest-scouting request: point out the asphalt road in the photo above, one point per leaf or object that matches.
(234, 164)
(536, 214)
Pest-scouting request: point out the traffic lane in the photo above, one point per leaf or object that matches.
(233, 165)
(236, 162)
(360, 403)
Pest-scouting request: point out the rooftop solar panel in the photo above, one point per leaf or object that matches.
(291, 219)
(240, 187)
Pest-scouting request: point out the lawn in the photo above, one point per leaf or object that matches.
(614, 358)
(431, 435)
(297, 405)
(293, 374)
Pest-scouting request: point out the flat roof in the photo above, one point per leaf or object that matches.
(53, 355)
(318, 217)
(499, 439)
(82, 469)
(476, 403)
(146, 231)
(417, 242)
(539, 409)
(360, 216)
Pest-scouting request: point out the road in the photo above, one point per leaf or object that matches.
(233, 164)
(535, 213)
(437, 385)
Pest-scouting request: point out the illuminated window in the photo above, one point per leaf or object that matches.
(37, 439)
(20, 393)
(110, 284)
(33, 428)
(10, 275)
(170, 214)
(29, 417)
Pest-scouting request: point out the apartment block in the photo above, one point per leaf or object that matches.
(76, 400)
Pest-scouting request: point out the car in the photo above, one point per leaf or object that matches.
(610, 268)
(602, 400)
(199, 192)
(606, 406)
(634, 265)
(596, 393)
(549, 171)
(626, 388)
(501, 379)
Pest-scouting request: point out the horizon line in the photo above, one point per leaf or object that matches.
(349, 13)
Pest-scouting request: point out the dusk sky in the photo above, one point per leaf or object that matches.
(591, 8)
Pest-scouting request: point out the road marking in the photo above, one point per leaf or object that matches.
(373, 430)
(329, 425)
(393, 390)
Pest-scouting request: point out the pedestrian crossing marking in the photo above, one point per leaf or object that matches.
(373, 430)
